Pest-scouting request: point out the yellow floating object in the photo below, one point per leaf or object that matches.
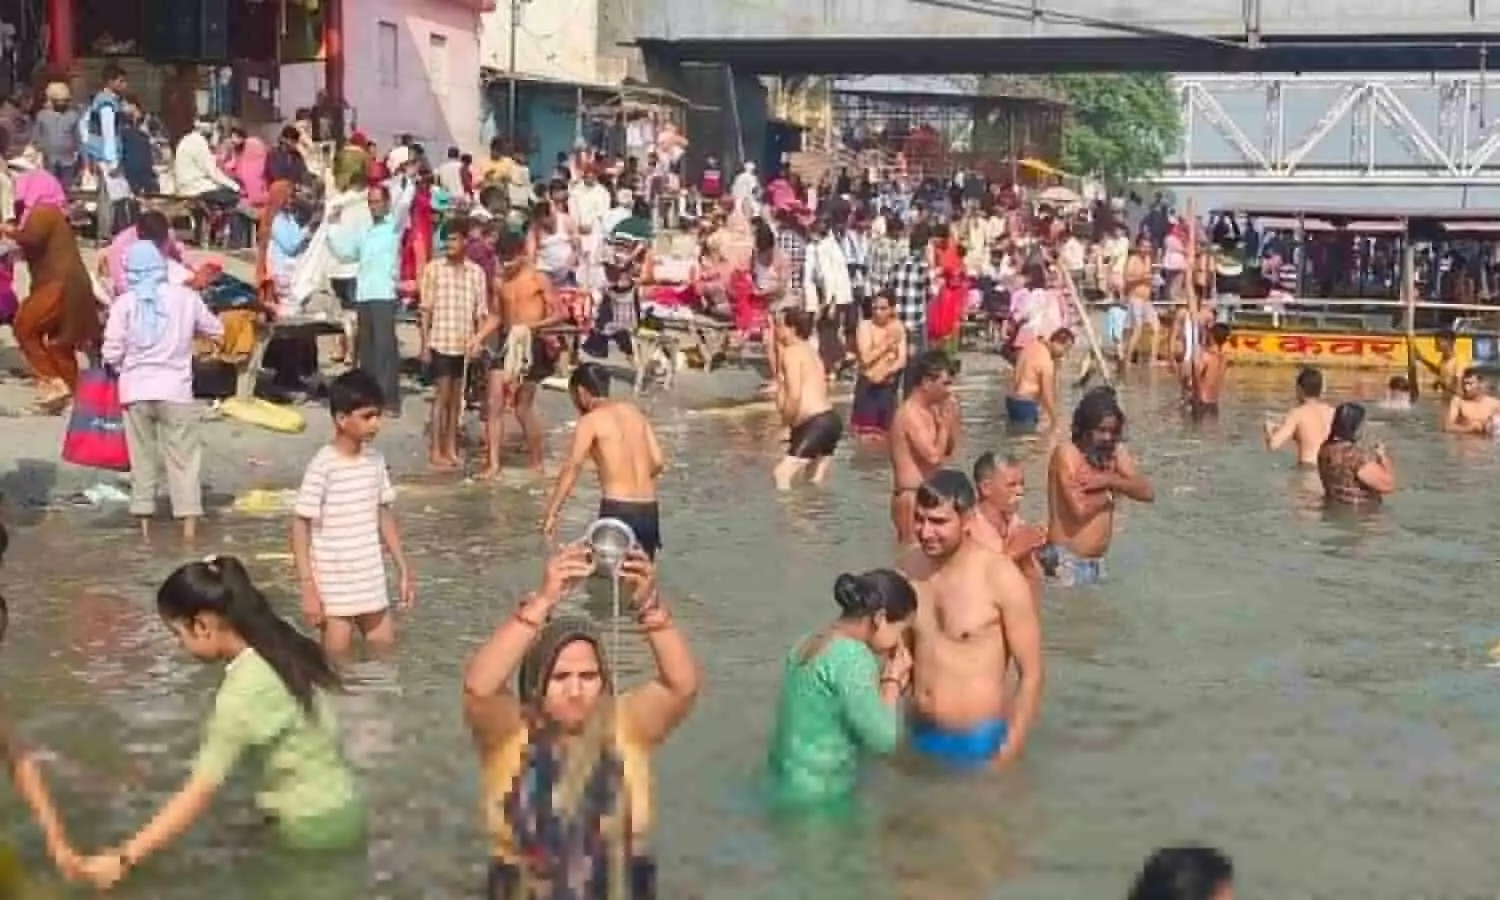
(274, 557)
(262, 502)
(265, 415)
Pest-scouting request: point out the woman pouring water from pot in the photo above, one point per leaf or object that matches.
(565, 754)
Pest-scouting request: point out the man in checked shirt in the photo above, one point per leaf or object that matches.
(911, 288)
(455, 296)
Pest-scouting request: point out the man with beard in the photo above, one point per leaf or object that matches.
(1084, 479)
(975, 618)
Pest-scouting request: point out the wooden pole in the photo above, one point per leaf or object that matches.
(1191, 276)
(1088, 325)
(1409, 294)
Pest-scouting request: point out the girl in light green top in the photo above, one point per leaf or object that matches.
(841, 690)
(272, 704)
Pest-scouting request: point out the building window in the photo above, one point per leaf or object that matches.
(388, 62)
(437, 63)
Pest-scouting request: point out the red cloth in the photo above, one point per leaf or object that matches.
(748, 314)
(947, 311)
(416, 242)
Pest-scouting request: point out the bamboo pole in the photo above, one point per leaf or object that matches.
(1088, 325)
(1409, 295)
(1190, 278)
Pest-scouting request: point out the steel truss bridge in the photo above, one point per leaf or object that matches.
(1337, 131)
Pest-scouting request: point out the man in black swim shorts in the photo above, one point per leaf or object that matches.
(620, 441)
(802, 400)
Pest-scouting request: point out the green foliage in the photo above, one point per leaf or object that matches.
(1121, 128)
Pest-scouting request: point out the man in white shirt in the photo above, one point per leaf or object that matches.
(352, 209)
(196, 174)
(588, 200)
(830, 296)
(746, 191)
(451, 175)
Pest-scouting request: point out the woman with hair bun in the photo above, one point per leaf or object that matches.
(841, 690)
(272, 706)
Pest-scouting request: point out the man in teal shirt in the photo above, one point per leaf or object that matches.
(376, 250)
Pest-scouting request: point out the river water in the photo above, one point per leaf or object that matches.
(1307, 691)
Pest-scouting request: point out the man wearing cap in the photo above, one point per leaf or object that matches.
(56, 134)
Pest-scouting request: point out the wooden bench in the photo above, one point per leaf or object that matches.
(314, 326)
(708, 336)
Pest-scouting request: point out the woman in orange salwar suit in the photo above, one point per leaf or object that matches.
(61, 315)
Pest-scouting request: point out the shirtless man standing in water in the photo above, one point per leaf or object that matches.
(1473, 410)
(1033, 396)
(924, 434)
(1208, 369)
(1143, 316)
(1084, 479)
(525, 300)
(975, 616)
(620, 441)
(997, 518)
(802, 400)
(1308, 422)
(881, 344)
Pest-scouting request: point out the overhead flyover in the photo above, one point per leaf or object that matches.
(829, 37)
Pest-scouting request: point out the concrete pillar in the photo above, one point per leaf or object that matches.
(333, 63)
(62, 32)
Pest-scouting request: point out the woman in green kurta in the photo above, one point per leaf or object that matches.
(841, 689)
(272, 705)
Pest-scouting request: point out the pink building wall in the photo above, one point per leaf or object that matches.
(412, 67)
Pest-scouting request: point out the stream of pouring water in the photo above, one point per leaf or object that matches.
(610, 540)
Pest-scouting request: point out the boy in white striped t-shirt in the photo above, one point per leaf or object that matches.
(343, 514)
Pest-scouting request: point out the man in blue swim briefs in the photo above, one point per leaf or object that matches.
(1033, 395)
(975, 616)
(1085, 477)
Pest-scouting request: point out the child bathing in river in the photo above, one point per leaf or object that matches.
(343, 514)
(273, 700)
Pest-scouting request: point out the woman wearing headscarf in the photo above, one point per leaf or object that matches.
(149, 342)
(566, 756)
(1350, 475)
(61, 315)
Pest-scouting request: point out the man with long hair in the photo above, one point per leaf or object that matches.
(1085, 478)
